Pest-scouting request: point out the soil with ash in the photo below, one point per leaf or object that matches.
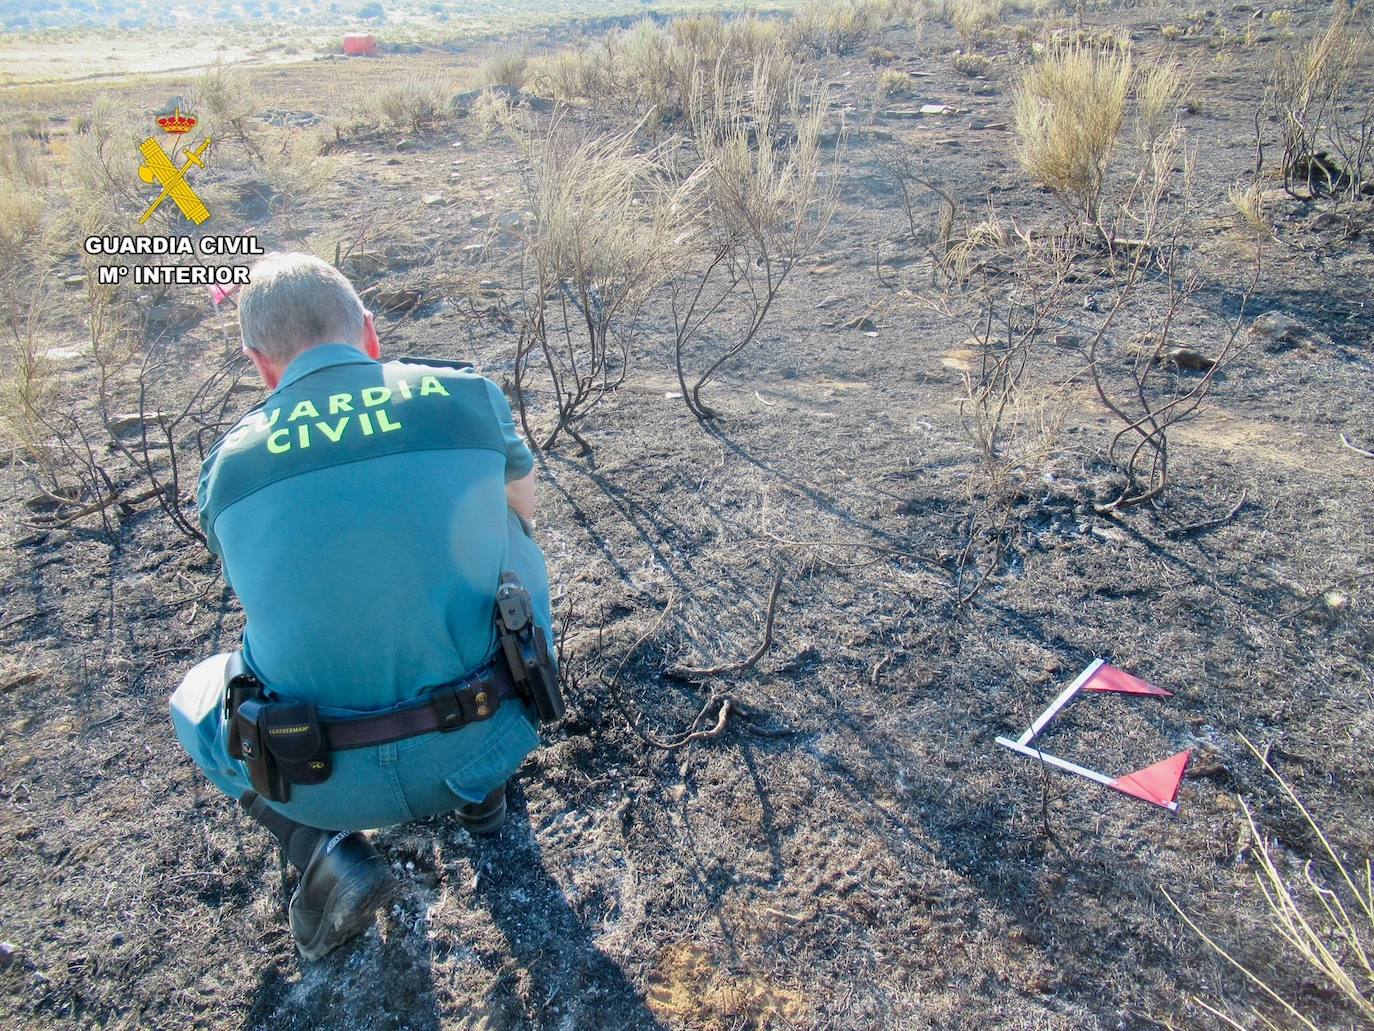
(852, 850)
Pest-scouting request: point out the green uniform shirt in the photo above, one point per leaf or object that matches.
(361, 516)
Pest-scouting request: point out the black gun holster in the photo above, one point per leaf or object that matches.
(281, 743)
(526, 651)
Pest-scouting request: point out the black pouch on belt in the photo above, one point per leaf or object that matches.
(251, 745)
(294, 737)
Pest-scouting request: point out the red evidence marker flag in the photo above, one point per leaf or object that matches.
(1109, 678)
(1158, 783)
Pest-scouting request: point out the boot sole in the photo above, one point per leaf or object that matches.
(350, 910)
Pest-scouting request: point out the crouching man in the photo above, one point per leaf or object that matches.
(373, 520)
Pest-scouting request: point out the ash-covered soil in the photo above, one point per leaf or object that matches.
(852, 850)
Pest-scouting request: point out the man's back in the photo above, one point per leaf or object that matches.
(361, 513)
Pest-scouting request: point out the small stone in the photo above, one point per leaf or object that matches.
(1281, 330)
(936, 109)
(1187, 358)
(79, 279)
(9, 952)
(432, 200)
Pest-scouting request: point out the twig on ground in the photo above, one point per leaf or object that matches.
(881, 549)
(16, 620)
(57, 523)
(1320, 597)
(692, 733)
(726, 706)
(756, 654)
(1358, 450)
(1208, 524)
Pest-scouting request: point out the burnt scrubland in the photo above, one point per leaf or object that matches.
(886, 365)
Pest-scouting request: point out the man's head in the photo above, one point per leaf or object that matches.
(294, 302)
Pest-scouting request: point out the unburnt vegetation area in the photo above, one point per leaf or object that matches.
(886, 363)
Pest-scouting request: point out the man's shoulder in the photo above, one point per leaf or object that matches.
(456, 364)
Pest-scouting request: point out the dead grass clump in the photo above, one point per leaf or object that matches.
(577, 73)
(1069, 110)
(1321, 97)
(975, 66)
(830, 26)
(648, 70)
(505, 66)
(29, 385)
(103, 197)
(972, 18)
(602, 239)
(1249, 203)
(1158, 90)
(492, 112)
(21, 160)
(21, 209)
(226, 105)
(295, 170)
(1321, 912)
(893, 83)
(413, 104)
(764, 204)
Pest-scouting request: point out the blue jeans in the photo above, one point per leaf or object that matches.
(369, 787)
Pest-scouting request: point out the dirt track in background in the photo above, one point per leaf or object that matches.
(852, 851)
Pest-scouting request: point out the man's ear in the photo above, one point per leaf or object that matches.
(371, 344)
(267, 368)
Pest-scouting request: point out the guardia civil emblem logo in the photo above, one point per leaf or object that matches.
(159, 169)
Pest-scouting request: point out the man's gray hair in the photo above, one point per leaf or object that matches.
(295, 301)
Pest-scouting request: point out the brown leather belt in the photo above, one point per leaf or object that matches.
(447, 707)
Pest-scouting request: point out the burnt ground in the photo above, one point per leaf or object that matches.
(852, 850)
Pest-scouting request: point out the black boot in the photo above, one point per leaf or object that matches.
(484, 817)
(344, 880)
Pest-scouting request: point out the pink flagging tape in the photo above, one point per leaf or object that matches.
(1109, 678)
(1159, 783)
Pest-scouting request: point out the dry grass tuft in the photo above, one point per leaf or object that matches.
(1249, 203)
(974, 17)
(1322, 916)
(505, 66)
(830, 26)
(606, 215)
(1158, 90)
(1069, 112)
(413, 104)
(226, 105)
(973, 65)
(893, 83)
(1320, 96)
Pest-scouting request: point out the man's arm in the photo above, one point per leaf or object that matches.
(520, 497)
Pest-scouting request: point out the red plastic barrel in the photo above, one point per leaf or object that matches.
(363, 43)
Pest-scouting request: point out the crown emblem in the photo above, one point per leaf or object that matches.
(176, 123)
